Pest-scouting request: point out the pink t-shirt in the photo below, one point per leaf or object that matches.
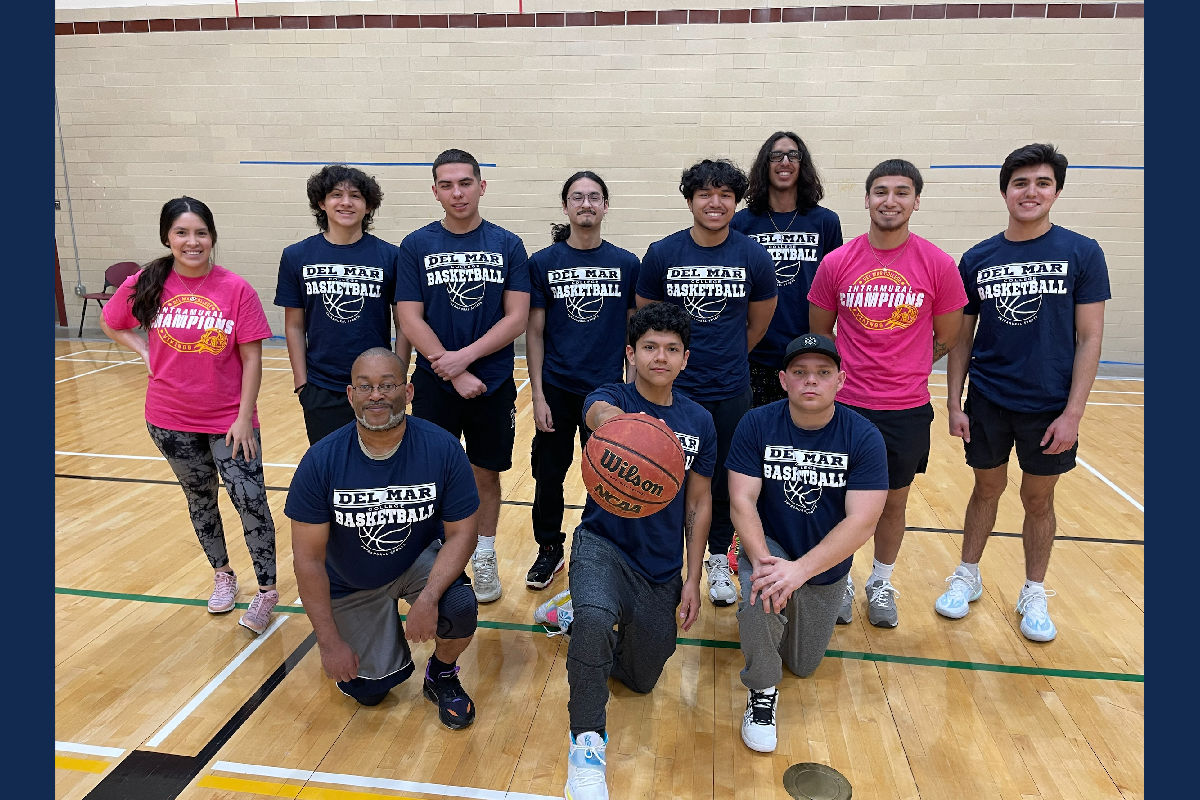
(197, 380)
(885, 317)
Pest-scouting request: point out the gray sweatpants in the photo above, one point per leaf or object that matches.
(605, 593)
(797, 637)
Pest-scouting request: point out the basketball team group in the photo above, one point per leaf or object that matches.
(791, 367)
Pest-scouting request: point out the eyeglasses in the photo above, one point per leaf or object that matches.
(778, 155)
(384, 388)
(577, 198)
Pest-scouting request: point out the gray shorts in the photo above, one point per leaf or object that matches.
(369, 620)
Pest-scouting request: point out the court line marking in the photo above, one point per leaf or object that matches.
(81, 764)
(720, 644)
(1110, 484)
(183, 713)
(89, 749)
(344, 779)
(1103, 479)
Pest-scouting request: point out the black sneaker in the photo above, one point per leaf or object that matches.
(455, 708)
(548, 564)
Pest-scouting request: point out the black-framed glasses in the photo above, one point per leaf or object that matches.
(577, 198)
(778, 155)
(384, 388)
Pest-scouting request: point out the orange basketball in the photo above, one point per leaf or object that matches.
(633, 465)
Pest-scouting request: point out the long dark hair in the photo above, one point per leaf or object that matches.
(808, 183)
(147, 292)
(561, 231)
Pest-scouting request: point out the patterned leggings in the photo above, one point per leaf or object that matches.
(197, 459)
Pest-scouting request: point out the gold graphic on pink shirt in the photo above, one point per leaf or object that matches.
(883, 299)
(192, 317)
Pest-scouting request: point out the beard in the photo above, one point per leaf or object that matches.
(393, 421)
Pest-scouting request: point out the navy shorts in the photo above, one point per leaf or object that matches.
(906, 437)
(488, 422)
(995, 430)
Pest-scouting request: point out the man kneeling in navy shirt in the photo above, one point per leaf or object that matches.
(807, 483)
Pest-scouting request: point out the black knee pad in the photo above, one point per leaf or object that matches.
(458, 612)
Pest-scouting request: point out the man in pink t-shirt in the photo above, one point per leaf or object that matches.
(897, 301)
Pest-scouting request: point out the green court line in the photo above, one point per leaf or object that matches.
(854, 655)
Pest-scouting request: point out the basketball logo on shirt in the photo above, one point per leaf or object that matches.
(384, 517)
(804, 473)
(883, 300)
(343, 288)
(787, 250)
(705, 290)
(465, 276)
(1018, 289)
(583, 289)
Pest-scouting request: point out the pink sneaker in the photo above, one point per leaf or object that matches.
(258, 615)
(224, 593)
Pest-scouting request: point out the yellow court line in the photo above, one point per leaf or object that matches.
(288, 790)
(80, 764)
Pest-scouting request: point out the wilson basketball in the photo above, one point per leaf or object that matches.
(633, 465)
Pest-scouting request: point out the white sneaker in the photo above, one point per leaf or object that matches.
(758, 725)
(556, 614)
(585, 768)
(1035, 616)
(486, 579)
(964, 590)
(721, 590)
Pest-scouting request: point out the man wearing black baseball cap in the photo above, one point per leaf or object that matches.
(807, 483)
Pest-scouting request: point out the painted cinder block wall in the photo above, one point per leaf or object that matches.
(214, 100)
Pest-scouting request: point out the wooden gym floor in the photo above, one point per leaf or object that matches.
(155, 698)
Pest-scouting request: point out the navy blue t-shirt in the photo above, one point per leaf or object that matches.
(587, 295)
(796, 243)
(1025, 294)
(806, 474)
(461, 278)
(346, 291)
(653, 545)
(715, 286)
(381, 514)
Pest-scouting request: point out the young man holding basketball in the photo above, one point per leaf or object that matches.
(463, 297)
(1030, 341)
(897, 300)
(807, 483)
(725, 282)
(336, 288)
(382, 509)
(626, 573)
(580, 300)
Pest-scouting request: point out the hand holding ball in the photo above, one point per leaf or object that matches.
(633, 465)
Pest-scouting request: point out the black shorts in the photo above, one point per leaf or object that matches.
(994, 431)
(488, 422)
(906, 437)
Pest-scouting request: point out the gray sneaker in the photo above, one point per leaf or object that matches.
(881, 604)
(486, 579)
(846, 613)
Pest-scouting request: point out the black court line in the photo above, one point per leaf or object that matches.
(953, 531)
(146, 775)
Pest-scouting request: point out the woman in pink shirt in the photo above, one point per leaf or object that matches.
(203, 349)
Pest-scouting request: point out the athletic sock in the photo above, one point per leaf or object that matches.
(486, 543)
(880, 571)
(972, 569)
(437, 669)
(1034, 585)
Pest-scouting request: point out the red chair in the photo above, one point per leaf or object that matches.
(114, 276)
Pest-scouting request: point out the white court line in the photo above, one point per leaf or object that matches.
(94, 371)
(1111, 485)
(375, 783)
(88, 749)
(151, 458)
(203, 694)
